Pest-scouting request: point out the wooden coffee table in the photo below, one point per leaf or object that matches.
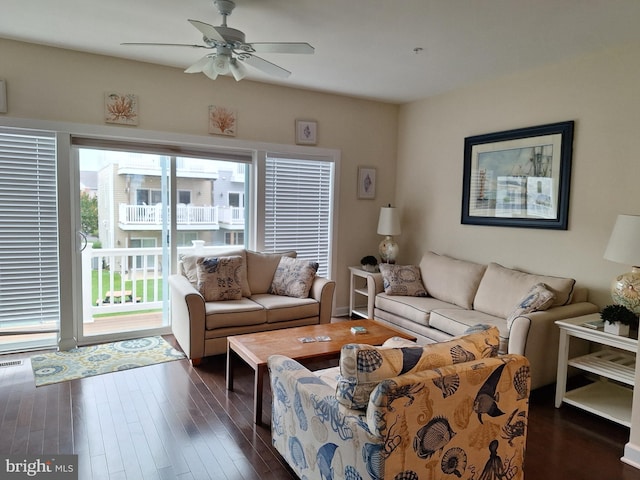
(256, 348)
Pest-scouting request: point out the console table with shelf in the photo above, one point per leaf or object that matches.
(610, 396)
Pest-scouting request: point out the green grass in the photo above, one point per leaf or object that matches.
(117, 285)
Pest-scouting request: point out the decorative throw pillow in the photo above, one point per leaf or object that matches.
(538, 298)
(189, 268)
(402, 280)
(293, 277)
(362, 367)
(219, 278)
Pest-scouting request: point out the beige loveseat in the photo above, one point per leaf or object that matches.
(461, 294)
(202, 327)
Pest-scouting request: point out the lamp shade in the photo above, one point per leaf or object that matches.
(389, 221)
(624, 243)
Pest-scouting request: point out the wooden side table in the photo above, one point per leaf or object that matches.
(615, 361)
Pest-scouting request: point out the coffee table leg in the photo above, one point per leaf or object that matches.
(230, 364)
(257, 394)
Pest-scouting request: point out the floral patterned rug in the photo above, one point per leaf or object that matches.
(82, 362)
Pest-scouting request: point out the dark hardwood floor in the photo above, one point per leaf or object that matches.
(174, 421)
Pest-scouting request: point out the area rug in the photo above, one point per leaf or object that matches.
(82, 362)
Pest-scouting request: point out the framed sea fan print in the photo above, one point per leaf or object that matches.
(121, 108)
(223, 120)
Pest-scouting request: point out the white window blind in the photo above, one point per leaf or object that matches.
(298, 200)
(29, 293)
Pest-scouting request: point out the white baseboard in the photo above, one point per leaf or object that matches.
(631, 455)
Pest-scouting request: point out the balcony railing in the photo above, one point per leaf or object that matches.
(149, 215)
(117, 280)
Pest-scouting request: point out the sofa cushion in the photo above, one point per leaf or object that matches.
(280, 308)
(362, 366)
(402, 280)
(189, 268)
(233, 313)
(502, 288)
(457, 322)
(451, 280)
(416, 309)
(219, 278)
(261, 267)
(538, 298)
(293, 277)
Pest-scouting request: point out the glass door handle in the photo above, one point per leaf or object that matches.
(83, 240)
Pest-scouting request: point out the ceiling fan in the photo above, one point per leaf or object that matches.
(231, 51)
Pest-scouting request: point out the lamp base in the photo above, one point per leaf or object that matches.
(388, 249)
(625, 290)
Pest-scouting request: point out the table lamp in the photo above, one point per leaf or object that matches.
(388, 225)
(624, 247)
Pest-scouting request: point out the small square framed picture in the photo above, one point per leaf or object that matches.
(306, 132)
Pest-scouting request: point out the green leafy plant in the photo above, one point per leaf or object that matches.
(619, 313)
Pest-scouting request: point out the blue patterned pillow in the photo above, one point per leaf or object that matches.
(220, 278)
(538, 298)
(402, 280)
(293, 277)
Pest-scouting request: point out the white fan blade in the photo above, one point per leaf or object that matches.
(207, 30)
(267, 67)
(199, 65)
(267, 47)
(165, 44)
(237, 70)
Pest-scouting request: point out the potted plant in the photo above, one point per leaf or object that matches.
(369, 263)
(618, 319)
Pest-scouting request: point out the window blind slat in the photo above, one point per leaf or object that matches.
(298, 208)
(29, 275)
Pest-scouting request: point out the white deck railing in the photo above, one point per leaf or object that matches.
(152, 214)
(127, 279)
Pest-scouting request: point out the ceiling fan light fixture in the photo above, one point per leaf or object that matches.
(237, 70)
(221, 64)
(209, 70)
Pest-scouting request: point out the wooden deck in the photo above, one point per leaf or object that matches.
(101, 325)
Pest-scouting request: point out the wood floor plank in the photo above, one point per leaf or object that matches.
(176, 421)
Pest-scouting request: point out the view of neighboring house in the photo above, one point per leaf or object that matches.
(129, 187)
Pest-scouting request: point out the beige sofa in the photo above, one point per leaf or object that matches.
(461, 294)
(201, 328)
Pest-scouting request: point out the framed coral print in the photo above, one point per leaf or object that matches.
(121, 108)
(518, 178)
(306, 132)
(366, 182)
(222, 120)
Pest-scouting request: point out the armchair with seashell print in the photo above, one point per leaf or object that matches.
(455, 409)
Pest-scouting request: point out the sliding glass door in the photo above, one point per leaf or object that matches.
(128, 219)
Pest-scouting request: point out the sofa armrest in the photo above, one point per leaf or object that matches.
(187, 316)
(536, 336)
(322, 290)
(375, 284)
(467, 411)
(309, 427)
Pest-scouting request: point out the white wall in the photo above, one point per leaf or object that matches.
(60, 85)
(599, 92)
